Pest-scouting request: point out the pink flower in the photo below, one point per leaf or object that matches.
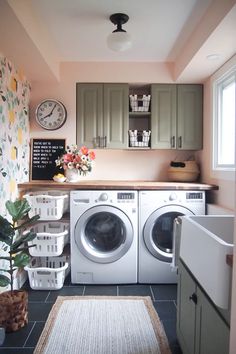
(77, 159)
(67, 158)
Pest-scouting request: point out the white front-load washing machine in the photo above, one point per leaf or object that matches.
(104, 238)
(157, 212)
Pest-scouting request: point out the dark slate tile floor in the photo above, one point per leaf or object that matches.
(40, 303)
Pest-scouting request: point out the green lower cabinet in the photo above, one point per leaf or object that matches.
(200, 328)
(211, 330)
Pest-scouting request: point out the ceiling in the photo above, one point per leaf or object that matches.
(79, 28)
(179, 32)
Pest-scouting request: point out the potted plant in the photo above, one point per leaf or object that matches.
(14, 237)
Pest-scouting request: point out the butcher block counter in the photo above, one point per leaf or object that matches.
(119, 185)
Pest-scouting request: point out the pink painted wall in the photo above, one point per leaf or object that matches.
(109, 164)
(226, 181)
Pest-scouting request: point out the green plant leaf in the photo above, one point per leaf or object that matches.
(18, 209)
(6, 231)
(4, 281)
(21, 260)
(27, 236)
(28, 222)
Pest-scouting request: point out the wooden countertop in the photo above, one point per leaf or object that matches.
(108, 184)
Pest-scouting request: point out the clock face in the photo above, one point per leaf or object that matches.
(50, 114)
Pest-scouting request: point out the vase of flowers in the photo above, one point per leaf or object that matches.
(76, 162)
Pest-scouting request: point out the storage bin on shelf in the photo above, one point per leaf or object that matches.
(139, 138)
(48, 273)
(51, 238)
(50, 205)
(139, 103)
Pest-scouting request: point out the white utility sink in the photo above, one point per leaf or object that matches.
(205, 242)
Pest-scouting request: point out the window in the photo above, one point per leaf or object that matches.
(224, 122)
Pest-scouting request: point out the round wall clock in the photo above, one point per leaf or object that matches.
(51, 114)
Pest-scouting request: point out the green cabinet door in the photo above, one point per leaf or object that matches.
(211, 330)
(116, 115)
(89, 113)
(102, 115)
(200, 327)
(190, 116)
(176, 116)
(163, 116)
(186, 311)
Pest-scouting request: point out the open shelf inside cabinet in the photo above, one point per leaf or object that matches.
(139, 116)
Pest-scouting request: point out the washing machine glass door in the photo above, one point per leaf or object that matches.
(103, 234)
(158, 231)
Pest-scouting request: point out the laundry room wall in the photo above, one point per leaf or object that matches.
(14, 140)
(109, 164)
(224, 197)
(14, 132)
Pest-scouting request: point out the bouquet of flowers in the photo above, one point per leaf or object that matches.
(76, 158)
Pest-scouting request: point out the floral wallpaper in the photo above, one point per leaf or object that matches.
(14, 132)
(14, 138)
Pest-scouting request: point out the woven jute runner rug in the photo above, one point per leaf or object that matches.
(103, 325)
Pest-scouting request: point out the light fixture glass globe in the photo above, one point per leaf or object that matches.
(119, 41)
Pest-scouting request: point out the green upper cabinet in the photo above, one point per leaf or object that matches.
(189, 117)
(163, 116)
(102, 115)
(89, 113)
(177, 113)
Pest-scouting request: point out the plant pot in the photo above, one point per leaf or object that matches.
(13, 310)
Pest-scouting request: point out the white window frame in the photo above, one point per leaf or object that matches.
(218, 86)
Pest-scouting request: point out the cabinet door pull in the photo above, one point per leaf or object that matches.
(180, 141)
(193, 297)
(172, 141)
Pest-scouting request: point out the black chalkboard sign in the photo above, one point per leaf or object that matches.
(44, 152)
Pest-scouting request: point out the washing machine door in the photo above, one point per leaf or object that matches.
(103, 234)
(158, 231)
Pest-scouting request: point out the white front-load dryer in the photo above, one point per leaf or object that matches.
(157, 212)
(104, 239)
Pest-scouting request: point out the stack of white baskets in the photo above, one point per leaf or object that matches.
(50, 261)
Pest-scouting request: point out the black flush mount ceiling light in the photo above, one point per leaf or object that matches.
(119, 40)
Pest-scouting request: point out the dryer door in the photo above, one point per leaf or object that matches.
(158, 231)
(103, 234)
